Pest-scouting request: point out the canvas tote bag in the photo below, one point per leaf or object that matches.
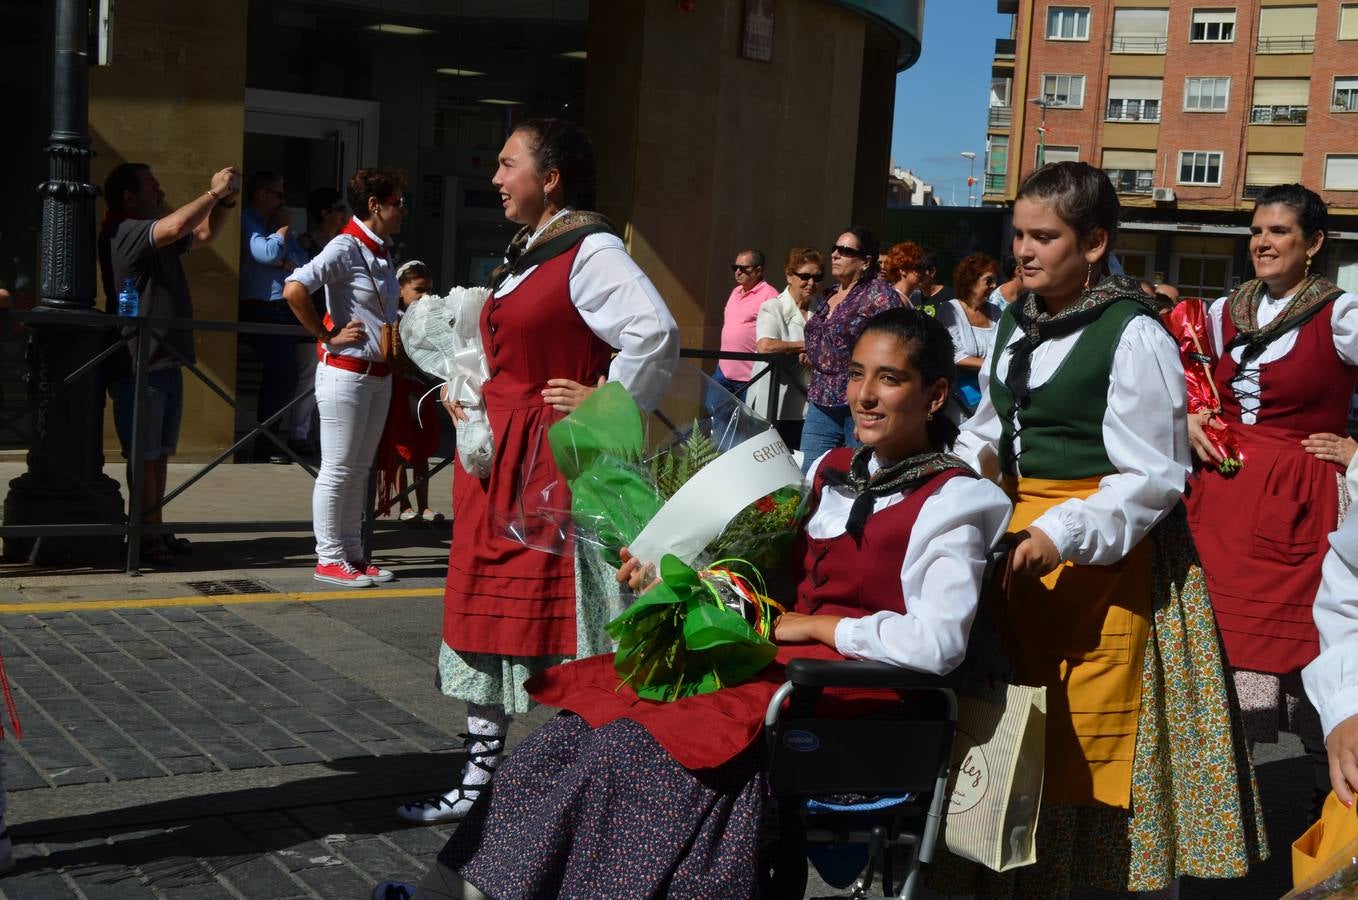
(995, 784)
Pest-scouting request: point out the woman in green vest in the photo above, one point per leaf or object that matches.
(1083, 423)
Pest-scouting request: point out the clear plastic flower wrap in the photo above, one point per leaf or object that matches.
(441, 335)
(700, 487)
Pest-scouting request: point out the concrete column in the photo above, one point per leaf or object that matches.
(703, 153)
(174, 98)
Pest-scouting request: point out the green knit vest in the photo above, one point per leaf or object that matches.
(1062, 427)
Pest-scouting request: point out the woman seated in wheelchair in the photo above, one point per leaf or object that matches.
(624, 797)
(1083, 421)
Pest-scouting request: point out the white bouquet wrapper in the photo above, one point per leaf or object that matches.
(441, 335)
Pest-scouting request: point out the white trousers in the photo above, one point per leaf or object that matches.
(353, 410)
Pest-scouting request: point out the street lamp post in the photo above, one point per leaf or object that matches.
(971, 176)
(1041, 102)
(65, 482)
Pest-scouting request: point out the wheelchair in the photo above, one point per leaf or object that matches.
(879, 782)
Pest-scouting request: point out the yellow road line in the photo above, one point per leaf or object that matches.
(198, 600)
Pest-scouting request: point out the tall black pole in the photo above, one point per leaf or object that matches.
(65, 482)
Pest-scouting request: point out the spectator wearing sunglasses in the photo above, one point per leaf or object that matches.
(970, 318)
(931, 293)
(742, 310)
(837, 319)
(269, 252)
(780, 328)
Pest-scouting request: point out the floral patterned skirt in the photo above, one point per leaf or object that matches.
(490, 678)
(1195, 805)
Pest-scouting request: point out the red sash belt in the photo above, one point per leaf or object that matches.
(354, 364)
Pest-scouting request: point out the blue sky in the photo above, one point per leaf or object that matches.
(941, 100)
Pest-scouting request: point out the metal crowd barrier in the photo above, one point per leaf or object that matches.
(781, 369)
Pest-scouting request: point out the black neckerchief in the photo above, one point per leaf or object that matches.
(560, 235)
(1315, 294)
(1037, 325)
(892, 479)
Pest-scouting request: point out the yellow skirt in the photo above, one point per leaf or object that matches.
(1081, 632)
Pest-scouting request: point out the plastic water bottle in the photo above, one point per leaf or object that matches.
(128, 298)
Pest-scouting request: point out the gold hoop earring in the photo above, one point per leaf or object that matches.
(1308, 265)
(929, 417)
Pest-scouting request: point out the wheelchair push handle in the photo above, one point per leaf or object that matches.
(821, 673)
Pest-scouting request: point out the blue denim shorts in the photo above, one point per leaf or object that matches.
(161, 415)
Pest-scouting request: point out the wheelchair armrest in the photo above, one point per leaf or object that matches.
(819, 673)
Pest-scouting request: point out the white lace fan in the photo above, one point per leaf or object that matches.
(442, 337)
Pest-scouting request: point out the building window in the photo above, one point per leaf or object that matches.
(1213, 26)
(1263, 170)
(1341, 172)
(1280, 101)
(996, 163)
(1287, 29)
(1199, 167)
(1206, 94)
(1134, 99)
(1348, 22)
(1000, 91)
(1137, 264)
(1063, 90)
(1068, 23)
(1202, 276)
(1051, 153)
(1345, 94)
(1131, 171)
(1140, 30)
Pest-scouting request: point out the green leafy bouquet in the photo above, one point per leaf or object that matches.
(713, 504)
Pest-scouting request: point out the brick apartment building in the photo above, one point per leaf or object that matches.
(1192, 107)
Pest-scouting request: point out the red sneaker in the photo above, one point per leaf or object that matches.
(377, 574)
(342, 573)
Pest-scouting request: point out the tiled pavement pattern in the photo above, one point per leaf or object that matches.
(109, 696)
(137, 694)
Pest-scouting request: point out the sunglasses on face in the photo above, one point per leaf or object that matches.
(737, 267)
(990, 281)
(809, 276)
(849, 251)
(399, 204)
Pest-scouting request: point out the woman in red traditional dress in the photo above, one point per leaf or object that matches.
(626, 797)
(566, 298)
(1287, 349)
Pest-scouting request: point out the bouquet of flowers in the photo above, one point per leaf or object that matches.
(442, 337)
(1188, 324)
(709, 503)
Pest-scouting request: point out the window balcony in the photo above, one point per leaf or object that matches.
(1292, 44)
(1278, 115)
(1139, 44)
(1131, 181)
(995, 184)
(1000, 117)
(1133, 111)
(1005, 48)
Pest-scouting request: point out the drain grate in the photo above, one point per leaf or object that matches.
(232, 586)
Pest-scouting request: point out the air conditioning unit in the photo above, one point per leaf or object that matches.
(1163, 195)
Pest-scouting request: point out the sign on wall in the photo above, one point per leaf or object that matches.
(756, 32)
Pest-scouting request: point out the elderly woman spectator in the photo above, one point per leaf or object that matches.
(269, 252)
(970, 318)
(780, 328)
(353, 376)
(834, 325)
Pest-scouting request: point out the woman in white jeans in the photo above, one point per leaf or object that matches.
(353, 381)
